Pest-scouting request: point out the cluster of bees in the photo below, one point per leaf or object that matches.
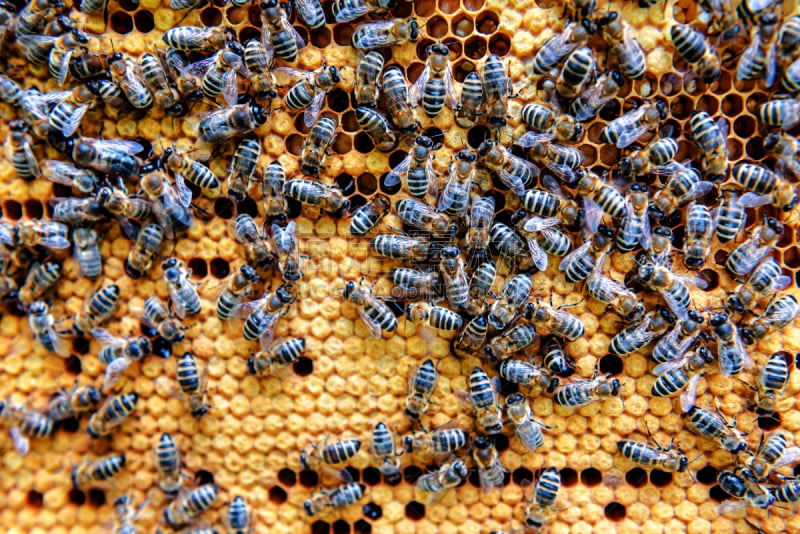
(451, 247)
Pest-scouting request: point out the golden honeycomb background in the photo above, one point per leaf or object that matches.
(349, 381)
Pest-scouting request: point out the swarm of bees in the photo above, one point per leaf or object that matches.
(477, 228)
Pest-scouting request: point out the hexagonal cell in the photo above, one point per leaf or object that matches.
(121, 22)
(448, 7)
(475, 47)
(424, 8)
(321, 38)
(143, 20)
(744, 126)
(462, 25)
(342, 144)
(487, 22)
(732, 105)
(708, 103)
(211, 16)
(437, 27)
(342, 34)
(461, 69)
(500, 44)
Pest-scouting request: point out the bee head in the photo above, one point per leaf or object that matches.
(169, 263)
(413, 29)
(607, 18)
(771, 140)
(349, 287)
(481, 442)
(518, 215)
(589, 25)
(708, 357)
(335, 75)
(617, 78)
(718, 319)
(249, 273)
(694, 263)
(467, 155)
(424, 140)
(307, 508)
(259, 113)
(460, 468)
(439, 48)
(485, 147)
(735, 304)
(615, 386)
(662, 109)
(514, 398)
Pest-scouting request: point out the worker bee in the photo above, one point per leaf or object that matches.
(673, 288)
(99, 471)
(111, 414)
(511, 246)
(555, 358)
(243, 166)
(541, 505)
(771, 384)
(556, 320)
(543, 237)
(654, 158)
(414, 285)
(383, 33)
(168, 465)
(76, 211)
(124, 513)
(599, 197)
(118, 203)
(123, 74)
(49, 234)
(681, 374)
(258, 252)
(553, 203)
(369, 215)
(766, 187)
(280, 355)
(417, 168)
(782, 113)
(470, 340)
(723, 20)
(419, 215)
(730, 216)
(711, 139)
(148, 243)
(61, 172)
(514, 172)
(627, 129)
(182, 292)
(157, 319)
(287, 251)
(236, 288)
(66, 404)
(198, 38)
(192, 171)
(788, 38)
(765, 279)
(67, 115)
(747, 491)
(10, 91)
(579, 264)
(778, 314)
(714, 427)
(170, 204)
(625, 48)
(187, 83)
(759, 59)
(401, 247)
(325, 501)
(786, 150)
(497, 89)
(157, 83)
(656, 457)
(39, 280)
(635, 226)
(454, 278)
(368, 72)
(750, 252)
(448, 476)
(683, 185)
(527, 429)
(330, 455)
(421, 385)
(193, 385)
(699, 232)
(376, 315)
(434, 316)
(771, 454)
(276, 29)
(693, 47)
(383, 449)
(526, 373)
(114, 157)
(349, 10)
(272, 185)
(506, 308)
(310, 90)
(733, 356)
(239, 518)
(470, 100)
(479, 223)
(545, 120)
(679, 339)
(639, 335)
(262, 315)
(619, 298)
(580, 393)
(788, 492)
(222, 124)
(118, 354)
(396, 92)
(579, 68)
(87, 252)
(491, 473)
(190, 504)
(557, 47)
(590, 101)
(483, 399)
(515, 339)
(328, 197)
(435, 84)
(258, 60)
(19, 151)
(377, 126)
(96, 309)
(66, 47)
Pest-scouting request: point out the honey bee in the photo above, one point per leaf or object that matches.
(506, 308)
(722, 18)
(470, 101)
(272, 184)
(625, 48)
(434, 316)
(377, 126)
(700, 227)
(439, 442)
(118, 354)
(483, 399)
(681, 375)
(544, 120)
(243, 166)
(61, 172)
(435, 84)
(193, 385)
(68, 114)
(765, 279)
(198, 38)
(674, 288)
(578, 70)
(747, 491)
(514, 172)
(788, 39)
(87, 252)
(470, 340)
(619, 298)
(683, 185)
(765, 186)
(497, 89)
(580, 263)
(400, 247)
(111, 414)
(541, 504)
(627, 129)
(730, 216)
(635, 226)
(96, 309)
(222, 124)
(258, 60)
(693, 47)
(491, 473)
(33, 16)
(557, 47)
(478, 226)
(368, 72)
(788, 492)
(326, 501)
(783, 113)
(276, 28)
(590, 101)
(511, 246)
(124, 513)
(191, 170)
(10, 91)
(287, 251)
(168, 465)
(157, 83)
(262, 315)
(759, 59)
(417, 168)
(423, 217)
(543, 237)
(527, 429)
(67, 404)
(369, 215)
(654, 158)
(679, 339)
(49, 234)
(553, 204)
(396, 92)
(257, 250)
(637, 336)
(771, 385)
(714, 427)
(454, 278)
(77, 211)
(238, 285)
(331, 455)
(556, 320)
(778, 314)
(114, 157)
(186, 82)
(157, 318)
(384, 33)
(66, 47)
(555, 358)
(656, 457)
(190, 504)
(349, 10)
(733, 356)
(384, 450)
(170, 204)
(749, 253)
(786, 150)
(328, 197)
(25, 422)
(182, 291)
(310, 90)
(278, 356)
(584, 392)
(239, 517)
(123, 74)
(710, 137)
(373, 312)
(771, 454)
(148, 243)
(448, 476)
(414, 285)
(515, 339)
(99, 471)
(40, 279)
(527, 373)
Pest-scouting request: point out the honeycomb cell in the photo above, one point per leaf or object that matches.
(462, 26)
(143, 20)
(487, 22)
(499, 44)
(211, 16)
(437, 26)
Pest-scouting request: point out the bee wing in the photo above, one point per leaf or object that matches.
(689, 395)
(529, 139)
(230, 88)
(430, 173)
(63, 68)
(671, 365)
(163, 219)
(21, 443)
(244, 309)
(312, 112)
(731, 506)
(298, 39)
(445, 200)
(104, 336)
(287, 75)
(514, 183)
(552, 185)
(114, 372)
(782, 282)
(177, 305)
(790, 455)
(754, 200)
(484, 482)
(537, 224)
(416, 90)
(74, 120)
(55, 242)
(745, 70)
(569, 258)
(593, 214)
(647, 235)
(747, 361)
(450, 88)
(117, 145)
(668, 169)
(538, 255)
(677, 308)
(199, 68)
(564, 172)
(352, 11)
(631, 135)
(266, 337)
(403, 166)
(699, 189)
(184, 194)
(372, 325)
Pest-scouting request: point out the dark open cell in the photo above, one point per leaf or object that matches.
(396, 157)
(707, 475)
(411, 474)
(97, 498)
(615, 511)
(711, 277)
(294, 144)
(791, 257)
(501, 442)
(371, 476)
(744, 126)
(203, 477)
(143, 20)
(300, 123)
(219, 268)
(80, 345)
(277, 495)
(345, 182)
(70, 425)
(735, 149)
(76, 497)
(477, 135)
(521, 476)
(436, 27)
(669, 84)
(35, 499)
(415, 511)
(681, 107)
(455, 47)
(473, 5)
(732, 105)
(660, 478)
(717, 494)
(34, 209)
(59, 191)
(321, 37)
(72, 365)
(372, 511)
(198, 267)
(414, 70)
(474, 479)
(247, 33)
(507, 388)
(224, 208)
(500, 44)
(12, 210)
(308, 478)
(293, 208)
(356, 201)
(569, 477)
(121, 22)
(391, 188)
(362, 527)
(422, 8)
(363, 143)
(247, 206)
(349, 122)
(338, 100)
(287, 477)
(343, 144)
(320, 527)
(636, 477)
(434, 133)
(591, 477)
(461, 69)
(754, 148)
(236, 15)
(342, 34)
(340, 526)
(611, 364)
(768, 423)
(708, 103)
(303, 366)
(367, 184)
(487, 22)
(355, 474)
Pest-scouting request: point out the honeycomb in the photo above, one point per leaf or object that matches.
(348, 381)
